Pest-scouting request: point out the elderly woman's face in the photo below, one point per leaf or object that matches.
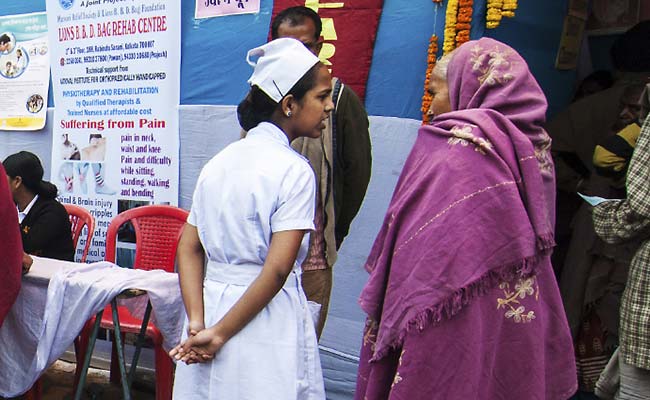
(439, 91)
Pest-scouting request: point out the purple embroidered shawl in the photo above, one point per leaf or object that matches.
(474, 202)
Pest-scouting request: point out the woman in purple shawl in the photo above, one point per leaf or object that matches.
(462, 302)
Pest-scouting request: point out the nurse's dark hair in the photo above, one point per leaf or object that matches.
(258, 107)
(29, 168)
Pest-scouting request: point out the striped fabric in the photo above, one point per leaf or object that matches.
(589, 370)
(593, 351)
(621, 221)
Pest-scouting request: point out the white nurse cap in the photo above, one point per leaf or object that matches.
(281, 64)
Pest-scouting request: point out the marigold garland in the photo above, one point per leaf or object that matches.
(431, 63)
(458, 23)
(451, 17)
(465, 10)
(509, 7)
(497, 9)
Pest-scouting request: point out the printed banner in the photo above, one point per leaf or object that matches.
(24, 72)
(349, 30)
(116, 85)
(219, 8)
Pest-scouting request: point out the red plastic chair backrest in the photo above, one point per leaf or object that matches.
(157, 231)
(80, 217)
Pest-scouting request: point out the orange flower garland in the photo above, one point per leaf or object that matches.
(464, 19)
(431, 63)
(458, 23)
(497, 9)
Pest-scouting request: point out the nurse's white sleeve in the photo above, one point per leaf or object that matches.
(194, 217)
(296, 201)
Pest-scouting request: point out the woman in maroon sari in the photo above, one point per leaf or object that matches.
(11, 249)
(462, 302)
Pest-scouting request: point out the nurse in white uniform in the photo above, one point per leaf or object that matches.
(249, 331)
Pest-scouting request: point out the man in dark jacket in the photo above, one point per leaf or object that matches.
(341, 159)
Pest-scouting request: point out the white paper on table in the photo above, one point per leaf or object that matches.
(595, 200)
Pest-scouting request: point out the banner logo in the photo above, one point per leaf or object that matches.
(66, 4)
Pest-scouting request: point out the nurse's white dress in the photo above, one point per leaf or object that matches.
(252, 188)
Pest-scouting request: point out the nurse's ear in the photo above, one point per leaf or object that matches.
(288, 105)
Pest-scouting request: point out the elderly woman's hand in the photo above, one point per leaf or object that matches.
(27, 263)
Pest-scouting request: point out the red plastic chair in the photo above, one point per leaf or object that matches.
(157, 231)
(79, 217)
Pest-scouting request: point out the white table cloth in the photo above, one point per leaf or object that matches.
(55, 301)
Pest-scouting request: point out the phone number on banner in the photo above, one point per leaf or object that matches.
(140, 55)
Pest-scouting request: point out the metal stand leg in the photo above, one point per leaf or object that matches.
(89, 354)
(139, 342)
(120, 351)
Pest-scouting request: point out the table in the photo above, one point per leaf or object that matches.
(55, 301)
(125, 380)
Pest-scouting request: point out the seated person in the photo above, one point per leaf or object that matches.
(587, 122)
(612, 155)
(577, 130)
(44, 222)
